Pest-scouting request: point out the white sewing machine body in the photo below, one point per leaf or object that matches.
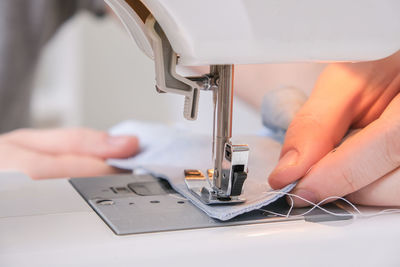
(213, 32)
(47, 223)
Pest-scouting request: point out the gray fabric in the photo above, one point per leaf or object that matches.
(166, 152)
(255, 191)
(25, 27)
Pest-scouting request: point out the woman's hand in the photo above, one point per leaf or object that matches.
(63, 152)
(365, 167)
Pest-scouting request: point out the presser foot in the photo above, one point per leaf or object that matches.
(200, 186)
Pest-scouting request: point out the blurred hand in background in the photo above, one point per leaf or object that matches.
(63, 152)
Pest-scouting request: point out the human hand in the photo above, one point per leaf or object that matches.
(63, 152)
(365, 167)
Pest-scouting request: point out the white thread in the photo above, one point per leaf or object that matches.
(291, 206)
(356, 213)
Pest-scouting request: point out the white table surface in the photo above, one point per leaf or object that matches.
(47, 223)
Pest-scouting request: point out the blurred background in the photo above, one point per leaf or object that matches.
(92, 74)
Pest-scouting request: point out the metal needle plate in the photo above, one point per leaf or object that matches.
(133, 204)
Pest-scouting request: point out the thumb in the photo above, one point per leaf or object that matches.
(317, 128)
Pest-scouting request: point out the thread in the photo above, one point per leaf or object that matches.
(356, 212)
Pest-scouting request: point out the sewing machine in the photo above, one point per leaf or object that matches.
(239, 32)
(42, 222)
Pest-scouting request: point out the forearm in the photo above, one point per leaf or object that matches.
(252, 82)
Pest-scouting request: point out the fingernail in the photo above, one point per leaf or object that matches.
(288, 159)
(305, 194)
(118, 140)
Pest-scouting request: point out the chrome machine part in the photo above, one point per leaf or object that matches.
(230, 160)
(222, 131)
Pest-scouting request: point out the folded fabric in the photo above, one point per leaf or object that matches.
(167, 151)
